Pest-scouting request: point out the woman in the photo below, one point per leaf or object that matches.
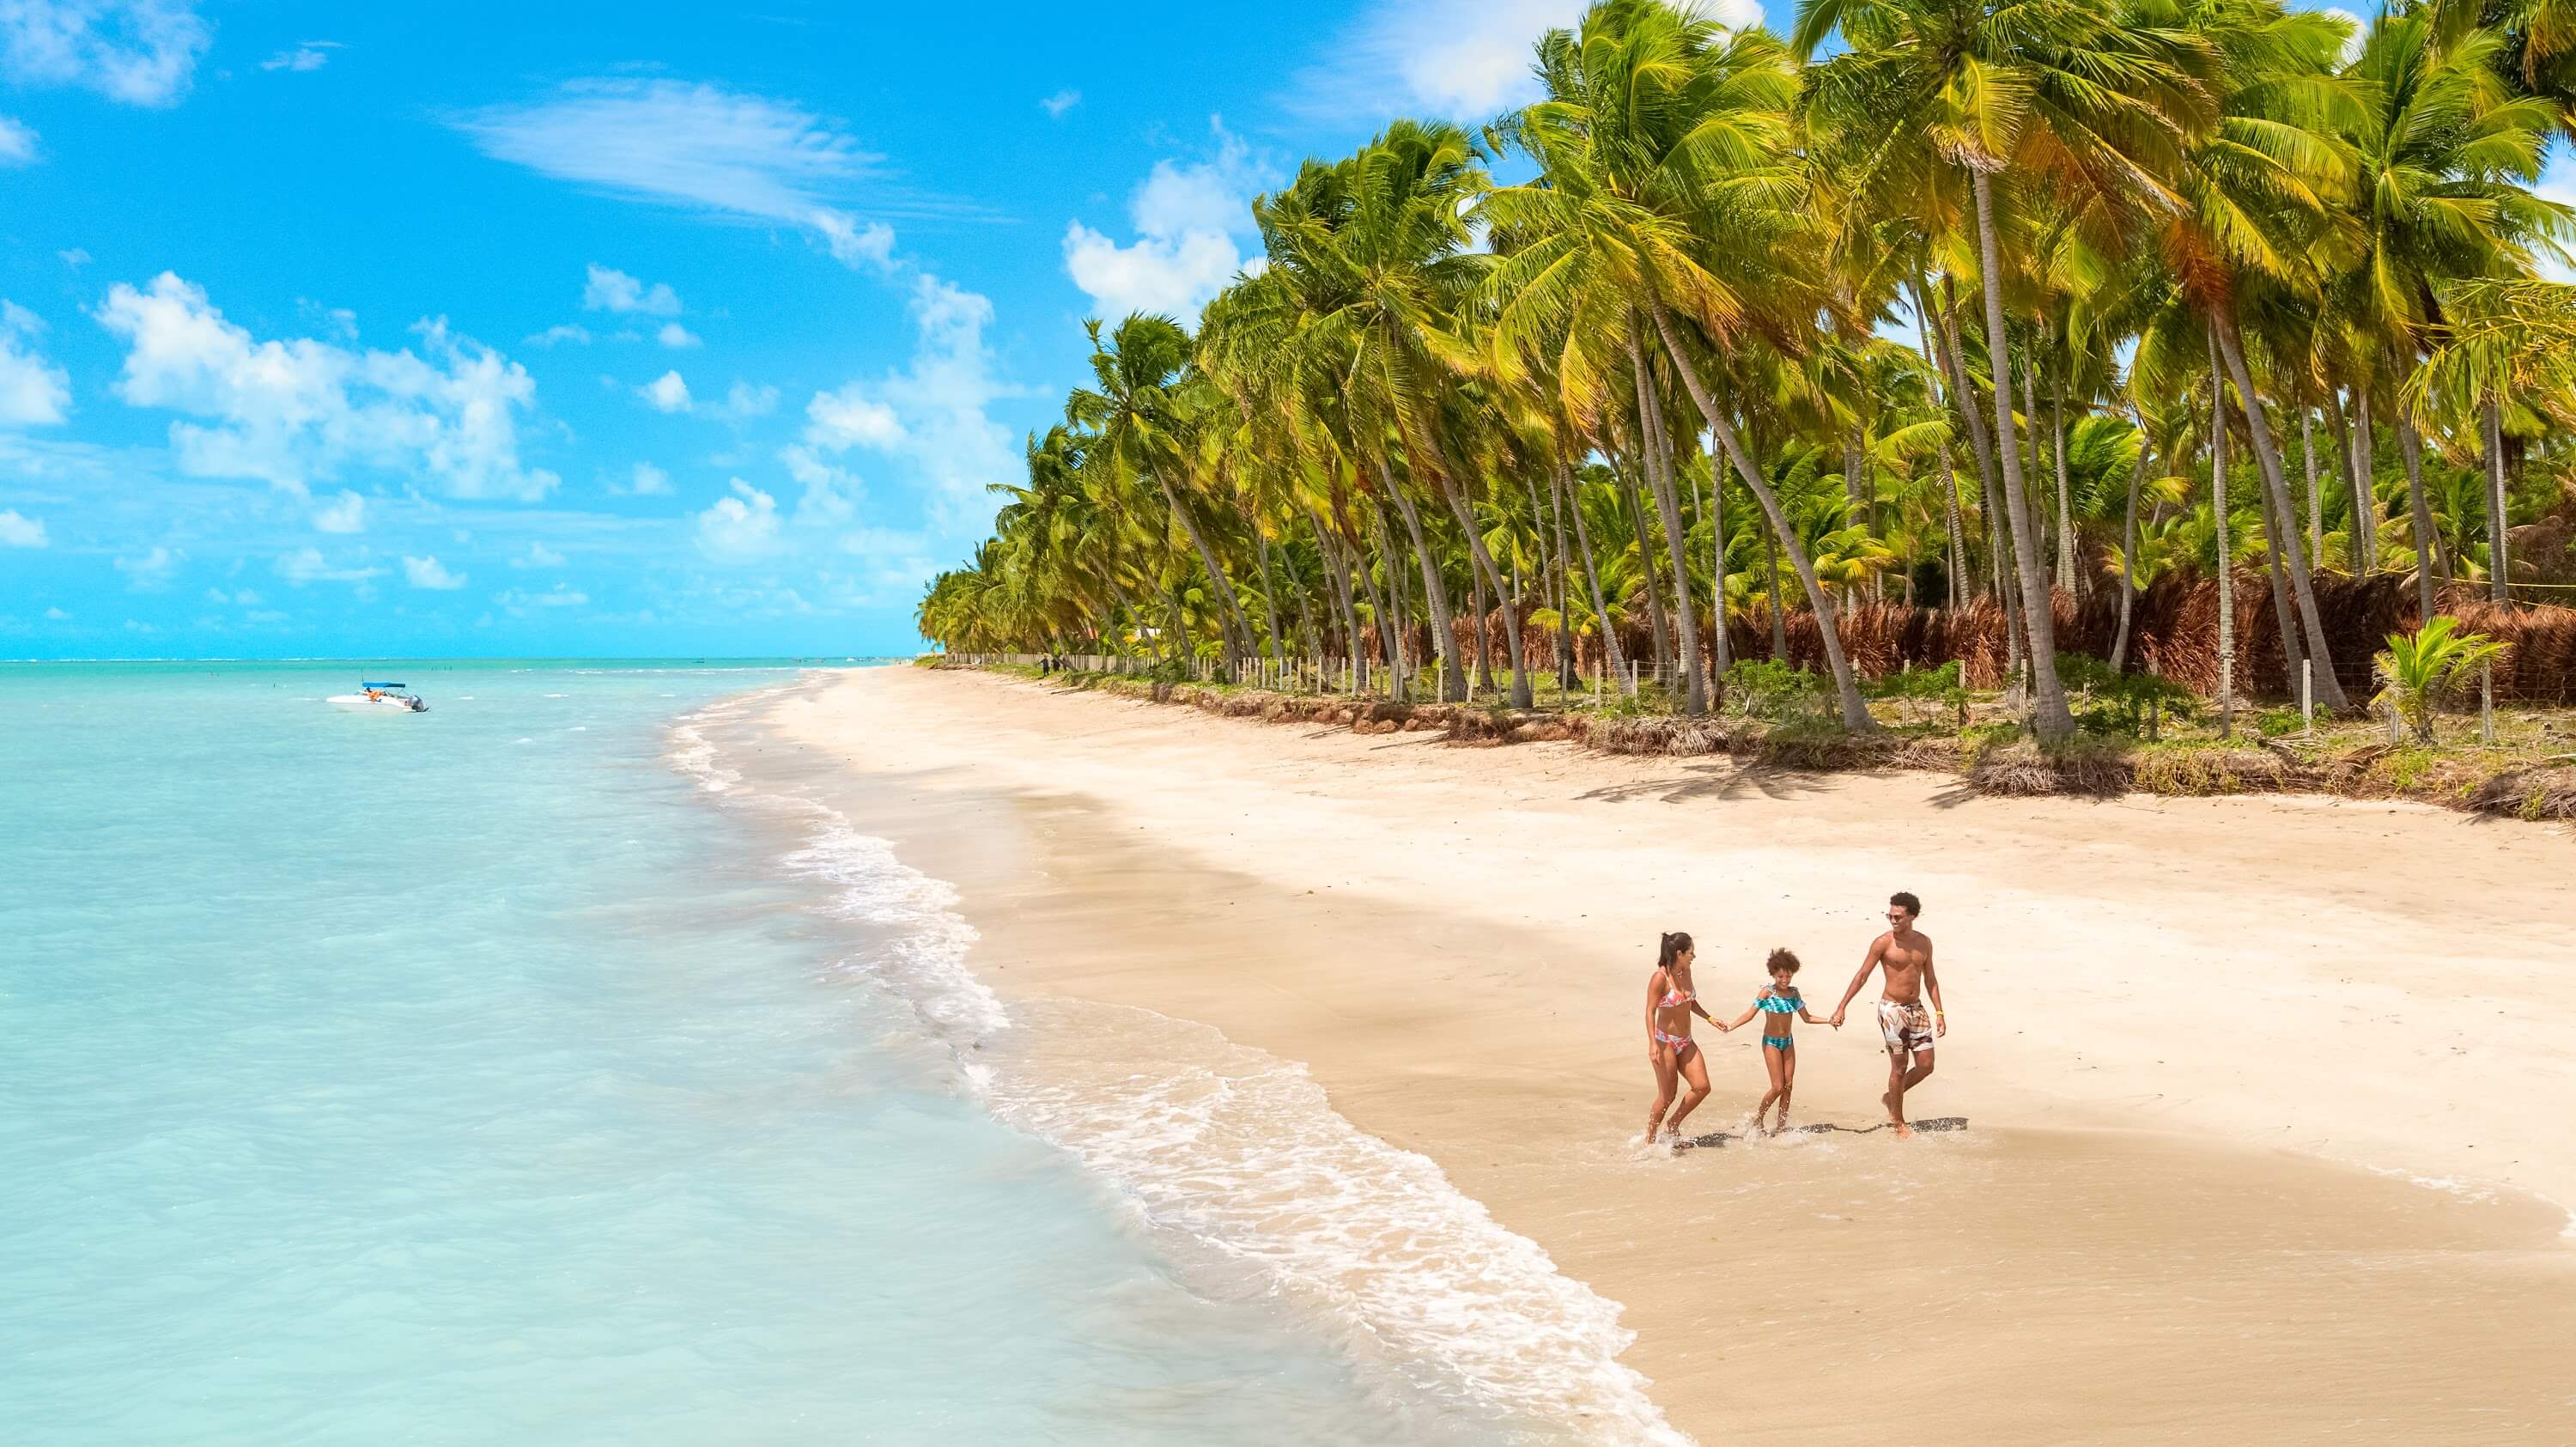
(1670, 1003)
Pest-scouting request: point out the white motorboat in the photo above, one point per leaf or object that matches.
(379, 698)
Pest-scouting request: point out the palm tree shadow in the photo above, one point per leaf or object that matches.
(1720, 781)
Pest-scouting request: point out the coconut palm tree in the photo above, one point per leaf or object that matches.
(2058, 93)
(2177, 218)
(2501, 344)
(1143, 416)
(2422, 669)
(1669, 191)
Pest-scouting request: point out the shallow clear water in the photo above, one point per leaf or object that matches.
(467, 1077)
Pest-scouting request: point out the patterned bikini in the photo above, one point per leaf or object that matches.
(1771, 1002)
(1675, 999)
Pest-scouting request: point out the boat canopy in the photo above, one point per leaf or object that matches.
(362, 683)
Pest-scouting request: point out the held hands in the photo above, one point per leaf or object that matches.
(1837, 1021)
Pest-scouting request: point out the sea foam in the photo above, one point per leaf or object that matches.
(1231, 1157)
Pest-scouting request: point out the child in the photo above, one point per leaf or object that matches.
(1777, 1003)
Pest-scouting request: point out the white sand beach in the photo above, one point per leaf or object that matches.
(2266, 1097)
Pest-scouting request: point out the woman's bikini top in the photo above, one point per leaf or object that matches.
(1773, 1003)
(1676, 997)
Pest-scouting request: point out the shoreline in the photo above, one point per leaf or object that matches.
(1254, 881)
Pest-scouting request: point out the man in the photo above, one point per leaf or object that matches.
(1905, 953)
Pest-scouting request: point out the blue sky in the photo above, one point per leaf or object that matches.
(605, 329)
(589, 328)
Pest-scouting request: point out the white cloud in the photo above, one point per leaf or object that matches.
(307, 565)
(745, 401)
(932, 413)
(57, 615)
(850, 418)
(140, 52)
(291, 412)
(676, 336)
(538, 556)
(852, 243)
(831, 493)
(1465, 60)
(345, 514)
(735, 155)
(561, 595)
(606, 289)
(1187, 216)
(243, 598)
(559, 333)
(33, 391)
(650, 481)
(740, 525)
(429, 573)
(668, 393)
(152, 571)
(17, 530)
(76, 258)
(1057, 104)
(17, 143)
(309, 55)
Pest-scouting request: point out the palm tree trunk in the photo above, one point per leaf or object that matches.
(1476, 615)
(2365, 488)
(2316, 504)
(2068, 572)
(1551, 591)
(1444, 633)
(1659, 471)
(1771, 590)
(1711, 507)
(2042, 515)
(1388, 611)
(2051, 719)
(1860, 505)
(1269, 593)
(1999, 553)
(1484, 558)
(2226, 560)
(2341, 421)
(2410, 448)
(1828, 620)
(1955, 570)
(1560, 582)
(1954, 583)
(2499, 565)
(2267, 455)
(1592, 578)
(2129, 553)
(1339, 574)
(1626, 477)
(1963, 398)
(2284, 620)
(1178, 627)
(1232, 616)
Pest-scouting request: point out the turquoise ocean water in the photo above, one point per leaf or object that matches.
(469, 1077)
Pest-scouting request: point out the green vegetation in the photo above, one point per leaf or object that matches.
(2195, 289)
(2422, 669)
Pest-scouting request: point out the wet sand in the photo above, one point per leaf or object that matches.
(2265, 1112)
